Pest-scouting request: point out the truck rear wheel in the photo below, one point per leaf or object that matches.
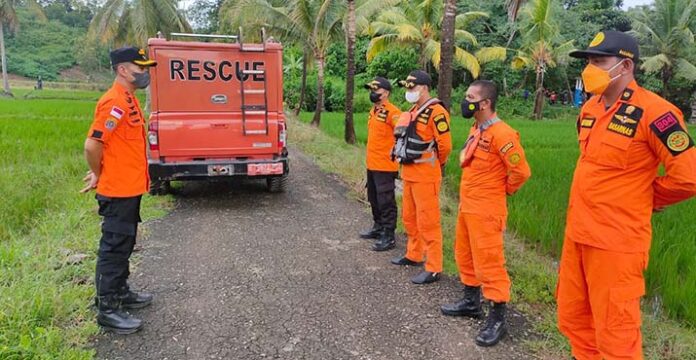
(159, 187)
(277, 184)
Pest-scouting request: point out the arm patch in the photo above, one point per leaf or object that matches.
(507, 147)
(671, 133)
(441, 124)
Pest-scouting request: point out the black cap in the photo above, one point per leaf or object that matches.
(131, 55)
(611, 43)
(378, 83)
(416, 77)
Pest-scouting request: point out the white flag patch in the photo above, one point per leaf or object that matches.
(117, 112)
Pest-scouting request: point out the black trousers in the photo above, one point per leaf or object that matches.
(119, 229)
(380, 193)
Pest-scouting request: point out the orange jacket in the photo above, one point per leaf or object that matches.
(616, 184)
(433, 125)
(119, 124)
(498, 168)
(380, 137)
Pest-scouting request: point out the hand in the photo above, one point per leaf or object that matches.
(91, 181)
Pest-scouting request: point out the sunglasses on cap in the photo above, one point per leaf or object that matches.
(408, 84)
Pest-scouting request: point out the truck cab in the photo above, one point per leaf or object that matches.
(216, 111)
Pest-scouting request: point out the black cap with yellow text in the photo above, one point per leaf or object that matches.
(416, 77)
(378, 83)
(611, 43)
(131, 55)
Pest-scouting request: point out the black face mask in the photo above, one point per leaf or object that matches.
(375, 97)
(470, 108)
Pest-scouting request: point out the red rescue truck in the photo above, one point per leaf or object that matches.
(216, 111)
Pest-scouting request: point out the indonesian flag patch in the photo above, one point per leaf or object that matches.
(117, 112)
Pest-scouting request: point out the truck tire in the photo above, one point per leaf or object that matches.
(159, 187)
(277, 184)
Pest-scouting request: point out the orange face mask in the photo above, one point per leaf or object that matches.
(596, 79)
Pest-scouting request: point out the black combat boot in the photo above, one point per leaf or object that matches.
(386, 241)
(135, 300)
(425, 277)
(373, 233)
(495, 328)
(469, 305)
(112, 318)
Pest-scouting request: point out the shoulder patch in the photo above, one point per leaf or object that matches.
(507, 147)
(424, 116)
(382, 115)
(441, 124)
(117, 112)
(625, 120)
(110, 123)
(587, 122)
(671, 133)
(515, 159)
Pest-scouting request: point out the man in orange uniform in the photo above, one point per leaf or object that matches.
(494, 166)
(625, 132)
(116, 155)
(427, 144)
(381, 168)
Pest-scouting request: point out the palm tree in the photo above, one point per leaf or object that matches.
(315, 24)
(349, 133)
(513, 10)
(542, 46)
(121, 22)
(667, 35)
(357, 20)
(8, 17)
(417, 24)
(444, 85)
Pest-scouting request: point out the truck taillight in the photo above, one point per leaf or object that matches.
(152, 136)
(282, 136)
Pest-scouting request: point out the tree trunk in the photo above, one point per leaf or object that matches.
(666, 77)
(350, 74)
(539, 96)
(512, 36)
(444, 86)
(422, 59)
(692, 119)
(303, 87)
(3, 58)
(320, 91)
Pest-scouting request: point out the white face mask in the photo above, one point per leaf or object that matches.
(412, 96)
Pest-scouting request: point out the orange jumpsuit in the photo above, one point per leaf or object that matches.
(380, 137)
(497, 168)
(607, 239)
(421, 197)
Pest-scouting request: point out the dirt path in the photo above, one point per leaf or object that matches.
(242, 274)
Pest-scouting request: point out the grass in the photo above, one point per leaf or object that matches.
(44, 222)
(536, 221)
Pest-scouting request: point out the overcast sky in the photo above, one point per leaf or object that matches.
(631, 3)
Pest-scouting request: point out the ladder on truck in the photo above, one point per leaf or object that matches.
(253, 109)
